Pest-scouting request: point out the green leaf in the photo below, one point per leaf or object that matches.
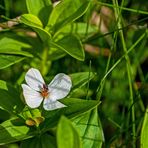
(80, 79)
(71, 45)
(8, 60)
(75, 107)
(9, 98)
(65, 12)
(40, 8)
(55, 54)
(35, 7)
(144, 131)
(67, 135)
(4, 115)
(48, 140)
(90, 129)
(31, 143)
(31, 20)
(13, 46)
(35, 23)
(79, 28)
(11, 131)
(13, 49)
(42, 141)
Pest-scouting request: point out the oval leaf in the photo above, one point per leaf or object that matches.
(80, 79)
(9, 98)
(71, 45)
(8, 60)
(67, 136)
(90, 129)
(35, 7)
(35, 23)
(13, 46)
(75, 107)
(11, 132)
(65, 12)
(40, 8)
(42, 141)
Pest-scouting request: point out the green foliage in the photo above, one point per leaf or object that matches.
(10, 100)
(92, 131)
(67, 135)
(61, 16)
(34, 22)
(101, 46)
(13, 130)
(75, 107)
(71, 45)
(39, 142)
(80, 79)
(8, 60)
(11, 46)
(40, 8)
(144, 132)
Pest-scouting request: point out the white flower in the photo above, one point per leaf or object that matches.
(37, 91)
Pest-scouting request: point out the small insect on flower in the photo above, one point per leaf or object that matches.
(37, 91)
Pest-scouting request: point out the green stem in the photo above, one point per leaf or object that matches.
(128, 67)
(101, 86)
(122, 8)
(87, 97)
(44, 64)
(123, 57)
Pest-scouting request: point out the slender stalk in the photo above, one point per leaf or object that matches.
(44, 61)
(122, 8)
(102, 83)
(87, 97)
(101, 86)
(137, 91)
(120, 59)
(128, 67)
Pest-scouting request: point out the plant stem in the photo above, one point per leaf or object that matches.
(120, 59)
(87, 97)
(122, 8)
(44, 64)
(128, 67)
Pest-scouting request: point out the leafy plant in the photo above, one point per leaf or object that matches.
(102, 49)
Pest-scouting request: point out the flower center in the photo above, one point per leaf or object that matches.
(44, 91)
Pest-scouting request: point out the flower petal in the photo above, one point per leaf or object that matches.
(59, 86)
(50, 105)
(32, 97)
(34, 79)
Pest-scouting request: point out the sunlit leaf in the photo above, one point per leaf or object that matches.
(8, 60)
(67, 135)
(144, 132)
(71, 45)
(90, 129)
(80, 79)
(40, 8)
(11, 131)
(9, 98)
(55, 54)
(35, 23)
(65, 12)
(75, 107)
(79, 28)
(15, 47)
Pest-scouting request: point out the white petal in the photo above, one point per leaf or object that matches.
(34, 79)
(50, 105)
(33, 98)
(59, 86)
